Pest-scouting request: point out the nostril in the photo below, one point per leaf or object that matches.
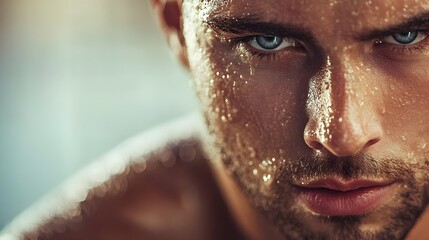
(372, 142)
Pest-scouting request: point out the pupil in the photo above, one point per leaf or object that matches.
(269, 42)
(405, 37)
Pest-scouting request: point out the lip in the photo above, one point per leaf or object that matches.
(332, 197)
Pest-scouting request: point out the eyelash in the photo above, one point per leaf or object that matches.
(238, 42)
(265, 55)
(407, 49)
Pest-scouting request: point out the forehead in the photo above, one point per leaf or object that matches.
(333, 15)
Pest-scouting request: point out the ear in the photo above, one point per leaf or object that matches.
(169, 15)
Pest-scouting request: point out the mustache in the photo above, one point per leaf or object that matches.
(347, 168)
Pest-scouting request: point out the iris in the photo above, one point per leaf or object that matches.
(405, 37)
(269, 42)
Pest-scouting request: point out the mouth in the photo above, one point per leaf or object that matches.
(332, 197)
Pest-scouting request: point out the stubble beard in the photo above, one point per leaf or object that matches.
(399, 216)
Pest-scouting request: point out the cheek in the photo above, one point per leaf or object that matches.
(256, 107)
(405, 112)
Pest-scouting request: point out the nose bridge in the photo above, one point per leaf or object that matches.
(338, 119)
(348, 118)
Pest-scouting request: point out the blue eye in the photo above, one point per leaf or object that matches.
(270, 43)
(406, 38)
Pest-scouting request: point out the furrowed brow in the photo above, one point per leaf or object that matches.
(253, 25)
(416, 23)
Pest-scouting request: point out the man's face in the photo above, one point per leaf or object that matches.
(319, 109)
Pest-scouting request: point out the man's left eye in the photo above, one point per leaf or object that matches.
(270, 43)
(406, 38)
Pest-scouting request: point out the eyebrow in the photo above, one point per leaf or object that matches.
(252, 24)
(415, 23)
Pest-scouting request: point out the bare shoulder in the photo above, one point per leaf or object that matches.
(156, 186)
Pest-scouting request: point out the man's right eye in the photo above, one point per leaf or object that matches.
(271, 43)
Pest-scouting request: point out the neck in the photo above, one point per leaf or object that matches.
(252, 224)
(420, 229)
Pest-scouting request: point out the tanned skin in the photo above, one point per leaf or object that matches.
(316, 126)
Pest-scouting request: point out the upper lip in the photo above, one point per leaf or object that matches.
(339, 185)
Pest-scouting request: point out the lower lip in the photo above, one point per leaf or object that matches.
(337, 203)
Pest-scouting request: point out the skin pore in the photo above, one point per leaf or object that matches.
(295, 92)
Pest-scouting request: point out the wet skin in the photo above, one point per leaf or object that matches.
(317, 124)
(306, 101)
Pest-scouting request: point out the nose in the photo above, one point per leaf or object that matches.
(342, 115)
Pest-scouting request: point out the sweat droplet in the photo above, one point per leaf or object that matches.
(319, 103)
(266, 177)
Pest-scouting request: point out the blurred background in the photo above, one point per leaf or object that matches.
(77, 77)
